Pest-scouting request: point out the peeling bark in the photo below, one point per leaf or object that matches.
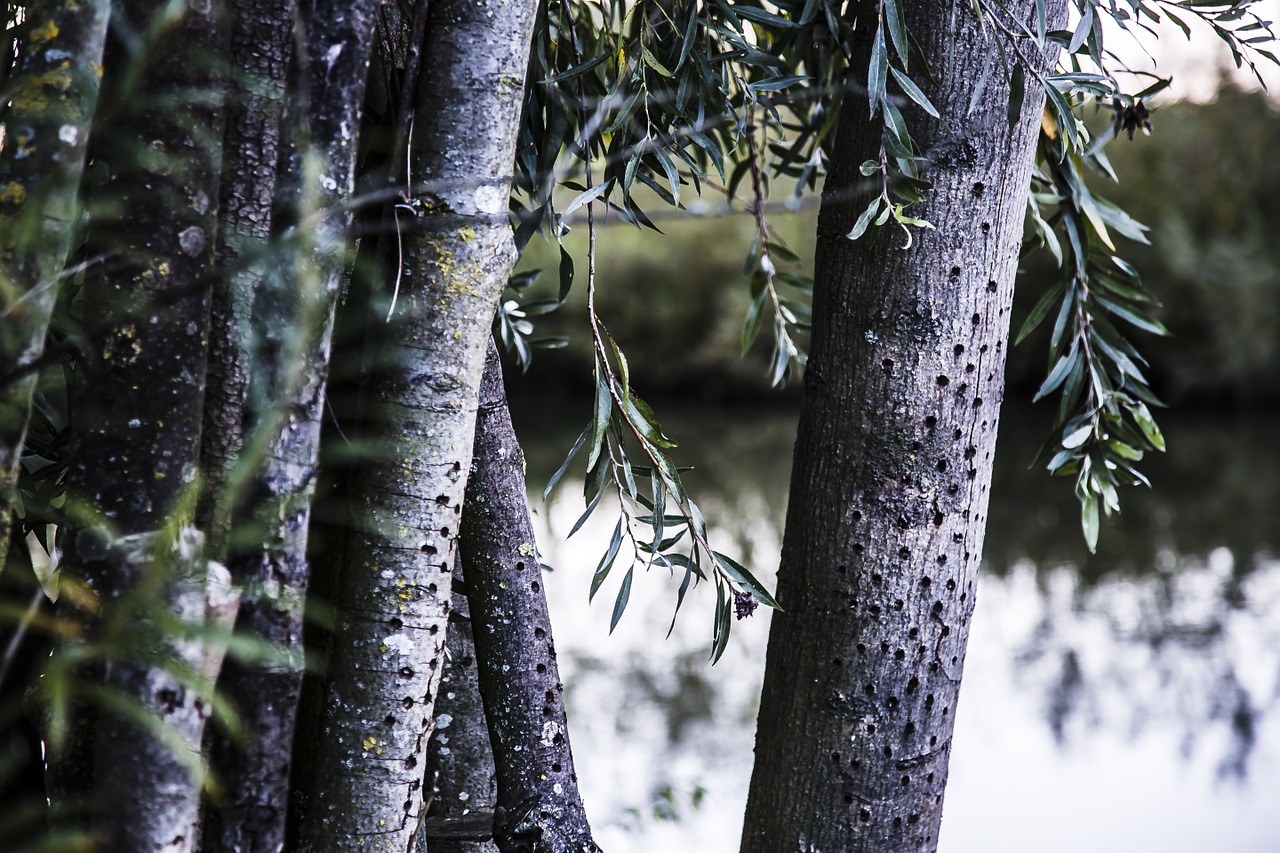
(51, 104)
(374, 717)
(539, 807)
(892, 473)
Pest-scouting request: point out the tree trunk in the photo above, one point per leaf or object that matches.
(539, 807)
(292, 320)
(892, 471)
(51, 103)
(460, 772)
(372, 723)
(136, 428)
(261, 49)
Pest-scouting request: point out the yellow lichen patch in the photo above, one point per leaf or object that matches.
(525, 549)
(369, 743)
(15, 194)
(42, 91)
(46, 32)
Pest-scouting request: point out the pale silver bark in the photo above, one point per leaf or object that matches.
(892, 471)
(375, 715)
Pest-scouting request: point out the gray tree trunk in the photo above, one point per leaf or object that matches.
(51, 103)
(539, 807)
(374, 716)
(136, 428)
(460, 771)
(292, 316)
(892, 472)
(261, 50)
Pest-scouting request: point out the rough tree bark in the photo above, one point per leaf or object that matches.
(291, 312)
(373, 718)
(892, 470)
(261, 49)
(54, 91)
(136, 428)
(460, 767)
(539, 807)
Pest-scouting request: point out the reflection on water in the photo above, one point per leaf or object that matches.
(1120, 702)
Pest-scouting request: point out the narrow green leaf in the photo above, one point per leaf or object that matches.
(600, 416)
(654, 63)
(1149, 324)
(1089, 522)
(1038, 313)
(684, 588)
(914, 93)
(1077, 437)
(564, 466)
(877, 71)
(1057, 375)
(620, 603)
(897, 32)
(606, 562)
(673, 175)
(585, 198)
(1146, 423)
(566, 273)
(577, 70)
(751, 326)
(745, 579)
(1082, 32)
(864, 221)
(723, 623)
(981, 86)
(760, 16)
(595, 491)
(1017, 95)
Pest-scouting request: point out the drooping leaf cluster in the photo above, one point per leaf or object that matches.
(1104, 424)
(634, 104)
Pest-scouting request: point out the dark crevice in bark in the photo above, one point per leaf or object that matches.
(539, 807)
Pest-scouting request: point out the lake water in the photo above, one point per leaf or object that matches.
(1118, 702)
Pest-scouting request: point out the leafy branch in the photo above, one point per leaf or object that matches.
(1104, 424)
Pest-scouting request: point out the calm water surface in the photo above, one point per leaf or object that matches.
(1121, 702)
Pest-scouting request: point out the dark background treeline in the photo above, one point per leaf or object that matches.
(1207, 182)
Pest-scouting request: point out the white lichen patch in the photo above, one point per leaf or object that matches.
(192, 241)
(401, 644)
(549, 731)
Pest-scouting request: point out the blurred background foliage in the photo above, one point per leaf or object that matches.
(1206, 182)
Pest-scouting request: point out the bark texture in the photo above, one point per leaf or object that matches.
(52, 100)
(539, 807)
(137, 430)
(292, 317)
(460, 771)
(892, 471)
(374, 715)
(261, 49)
